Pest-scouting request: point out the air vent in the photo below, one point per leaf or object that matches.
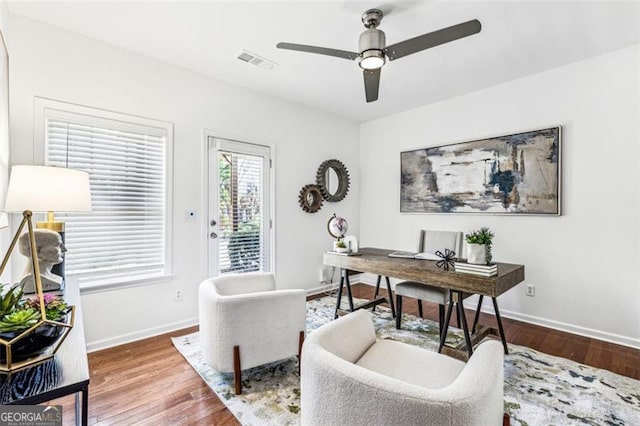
(256, 60)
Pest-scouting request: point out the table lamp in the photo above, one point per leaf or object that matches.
(41, 189)
(35, 189)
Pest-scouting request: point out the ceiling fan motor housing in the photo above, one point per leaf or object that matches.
(372, 39)
(372, 43)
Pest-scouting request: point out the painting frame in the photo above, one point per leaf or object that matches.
(514, 174)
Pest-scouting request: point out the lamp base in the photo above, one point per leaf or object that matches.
(51, 225)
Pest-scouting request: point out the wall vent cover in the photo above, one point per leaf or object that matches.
(256, 60)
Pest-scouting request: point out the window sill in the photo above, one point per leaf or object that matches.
(120, 283)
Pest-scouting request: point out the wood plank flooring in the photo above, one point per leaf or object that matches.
(149, 383)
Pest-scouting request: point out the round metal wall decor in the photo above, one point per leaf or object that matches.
(310, 198)
(333, 191)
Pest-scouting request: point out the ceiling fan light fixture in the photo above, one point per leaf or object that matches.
(372, 59)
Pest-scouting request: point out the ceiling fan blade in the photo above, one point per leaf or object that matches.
(319, 50)
(436, 38)
(371, 84)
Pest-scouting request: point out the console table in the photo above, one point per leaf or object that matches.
(67, 373)
(377, 261)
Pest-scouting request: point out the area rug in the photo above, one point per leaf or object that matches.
(539, 389)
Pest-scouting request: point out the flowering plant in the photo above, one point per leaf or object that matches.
(18, 314)
(54, 306)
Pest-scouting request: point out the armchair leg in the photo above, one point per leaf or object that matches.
(420, 308)
(300, 342)
(237, 371)
(506, 420)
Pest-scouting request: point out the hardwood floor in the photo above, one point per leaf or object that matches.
(149, 383)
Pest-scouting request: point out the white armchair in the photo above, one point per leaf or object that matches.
(349, 378)
(246, 322)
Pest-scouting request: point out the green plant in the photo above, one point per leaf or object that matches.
(244, 248)
(19, 314)
(341, 244)
(482, 236)
(10, 299)
(19, 320)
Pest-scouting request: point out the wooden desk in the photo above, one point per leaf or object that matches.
(377, 261)
(67, 373)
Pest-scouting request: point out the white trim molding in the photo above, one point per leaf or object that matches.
(139, 335)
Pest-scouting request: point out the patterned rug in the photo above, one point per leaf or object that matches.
(539, 389)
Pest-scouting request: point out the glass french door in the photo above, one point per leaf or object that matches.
(239, 207)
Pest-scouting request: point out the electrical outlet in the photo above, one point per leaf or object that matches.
(530, 290)
(178, 296)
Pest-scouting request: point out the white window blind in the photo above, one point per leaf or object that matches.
(126, 233)
(242, 233)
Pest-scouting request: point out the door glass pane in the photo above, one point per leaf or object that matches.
(241, 213)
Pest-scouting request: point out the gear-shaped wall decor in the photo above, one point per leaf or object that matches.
(343, 180)
(310, 198)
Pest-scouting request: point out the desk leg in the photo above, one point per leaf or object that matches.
(375, 296)
(477, 317)
(445, 327)
(85, 406)
(393, 309)
(465, 327)
(346, 278)
(500, 328)
(339, 298)
(82, 411)
(77, 406)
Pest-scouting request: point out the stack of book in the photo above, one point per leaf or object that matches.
(470, 268)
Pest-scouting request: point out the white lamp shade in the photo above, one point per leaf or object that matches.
(45, 189)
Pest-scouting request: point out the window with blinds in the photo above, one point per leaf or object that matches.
(241, 238)
(126, 234)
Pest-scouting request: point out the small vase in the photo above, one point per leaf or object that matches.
(477, 254)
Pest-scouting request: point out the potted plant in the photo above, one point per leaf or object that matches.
(341, 246)
(18, 316)
(479, 246)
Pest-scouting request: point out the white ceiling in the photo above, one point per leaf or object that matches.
(517, 39)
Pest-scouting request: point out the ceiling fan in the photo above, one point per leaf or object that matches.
(374, 52)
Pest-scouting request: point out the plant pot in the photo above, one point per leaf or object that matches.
(36, 343)
(477, 254)
(342, 249)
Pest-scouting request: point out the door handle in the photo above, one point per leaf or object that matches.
(213, 222)
(213, 235)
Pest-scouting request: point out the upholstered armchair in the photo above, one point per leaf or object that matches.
(246, 322)
(349, 378)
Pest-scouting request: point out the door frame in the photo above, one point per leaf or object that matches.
(204, 196)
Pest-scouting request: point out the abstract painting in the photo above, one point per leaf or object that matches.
(513, 174)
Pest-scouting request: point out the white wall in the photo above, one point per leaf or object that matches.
(5, 234)
(584, 263)
(53, 63)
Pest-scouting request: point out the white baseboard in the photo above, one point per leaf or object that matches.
(139, 335)
(569, 328)
(322, 289)
(618, 339)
